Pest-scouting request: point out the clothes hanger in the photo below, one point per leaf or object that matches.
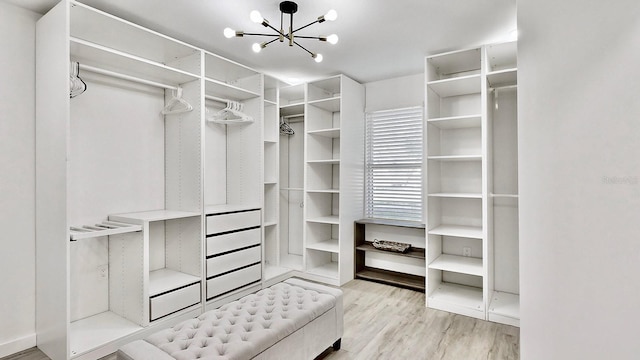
(177, 100)
(232, 113)
(76, 85)
(285, 129)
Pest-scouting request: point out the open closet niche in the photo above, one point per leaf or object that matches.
(291, 175)
(233, 173)
(501, 60)
(118, 221)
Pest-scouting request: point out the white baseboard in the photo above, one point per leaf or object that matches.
(17, 345)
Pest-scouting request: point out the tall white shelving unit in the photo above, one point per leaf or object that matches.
(334, 177)
(501, 81)
(233, 176)
(141, 265)
(291, 179)
(472, 212)
(457, 183)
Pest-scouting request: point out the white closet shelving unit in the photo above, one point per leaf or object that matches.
(233, 168)
(289, 249)
(504, 302)
(333, 178)
(105, 286)
(457, 182)
(472, 183)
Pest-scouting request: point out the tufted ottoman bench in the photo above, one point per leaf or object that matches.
(294, 319)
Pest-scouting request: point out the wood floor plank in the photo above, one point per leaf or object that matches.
(385, 322)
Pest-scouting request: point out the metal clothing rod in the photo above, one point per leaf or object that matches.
(292, 116)
(504, 87)
(215, 98)
(126, 77)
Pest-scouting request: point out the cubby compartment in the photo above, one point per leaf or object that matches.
(324, 89)
(455, 177)
(324, 264)
(270, 205)
(502, 64)
(324, 118)
(323, 207)
(323, 237)
(229, 79)
(270, 122)
(323, 149)
(323, 177)
(270, 162)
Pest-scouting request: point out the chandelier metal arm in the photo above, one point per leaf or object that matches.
(321, 38)
(306, 26)
(303, 48)
(257, 34)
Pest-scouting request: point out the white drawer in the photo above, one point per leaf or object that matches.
(237, 259)
(237, 279)
(233, 221)
(173, 301)
(222, 243)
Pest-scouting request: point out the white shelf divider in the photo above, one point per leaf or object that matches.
(457, 86)
(474, 232)
(330, 245)
(164, 280)
(457, 122)
(94, 331)
(457, 195)
(455, 157)
(459, 264)
(332, 219)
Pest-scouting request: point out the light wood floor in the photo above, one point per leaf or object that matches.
(385, 322)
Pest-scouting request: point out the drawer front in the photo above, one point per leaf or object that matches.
(227, 262)
(176, 300)
(233, 221)
(234, 280)
(227, 242)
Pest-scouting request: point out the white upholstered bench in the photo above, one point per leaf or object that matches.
(294, 319)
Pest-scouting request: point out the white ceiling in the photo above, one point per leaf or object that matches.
(379, 39)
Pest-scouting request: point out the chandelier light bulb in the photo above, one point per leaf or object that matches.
(256, 47)
(332, 39)
(256, 17)
(318, 58)
(229, 33)
(331, 15)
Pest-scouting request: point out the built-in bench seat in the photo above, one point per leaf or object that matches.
(294, 319)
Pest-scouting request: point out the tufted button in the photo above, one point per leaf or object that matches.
(267, 316)
(249, 319)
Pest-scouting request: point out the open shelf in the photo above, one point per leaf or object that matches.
(330, 133)
(413, 252)
(455, 157)
(330, 104)
(390, 222)
(327, 161)
(474, 232)
(463, 85)
(456, 122)
(227, 91)
(328, 270)
(164, 280)
(330, 245)
(408, 281)
(503, 77)
(325, 191)
(455, 62)
(460, 264)
(448, 295)
(153, 215)
(504, 308)
(333, 219)
(457, 195)
(94, 331)
(99, 56)
(292, 109)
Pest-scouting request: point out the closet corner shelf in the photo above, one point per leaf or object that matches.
(456, 86)
(458, 264)
(456, 122)
(221, 89)
(270, 141)
(153, 215)
(455, 157)
(512, 196)
(270, 102)
(292, 109)
(270, 223)
(414, 252)
(457, 195)
(270, 182)
(332, 219)
(473, 232)
(330, 245)
(330, 104)
(330, 133)
(324, 191)
(105, 228)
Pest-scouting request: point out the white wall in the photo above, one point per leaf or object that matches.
(579, 134)
(395, 93)
(17, 178)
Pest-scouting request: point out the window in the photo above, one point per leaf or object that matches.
(393, 170)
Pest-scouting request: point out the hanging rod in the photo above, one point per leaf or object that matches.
(292, 116)
(503, 87)
(215, 98)
(126, 77)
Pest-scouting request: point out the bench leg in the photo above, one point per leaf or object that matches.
(337, 344)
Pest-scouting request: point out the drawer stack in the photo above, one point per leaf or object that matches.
(234, 254)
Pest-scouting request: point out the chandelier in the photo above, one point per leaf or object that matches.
(286, 7)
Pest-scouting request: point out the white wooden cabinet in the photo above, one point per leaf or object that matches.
(472, 183)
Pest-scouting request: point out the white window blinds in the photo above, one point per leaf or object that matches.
(394, 164)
